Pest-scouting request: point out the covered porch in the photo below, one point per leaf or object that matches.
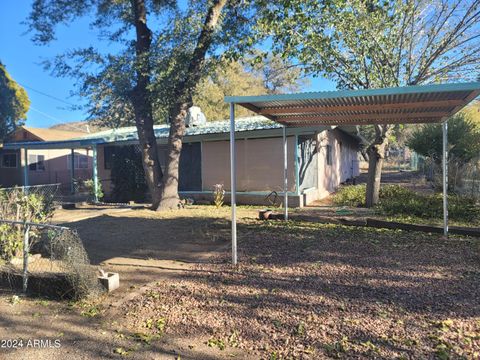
(25, 148)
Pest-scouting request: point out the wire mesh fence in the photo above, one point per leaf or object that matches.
(58, 193)
(469, 180)
(463, 178)
(45, 259)
(37, 256)
(49, 192)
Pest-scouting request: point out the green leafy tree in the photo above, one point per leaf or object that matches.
(463, 143)
(14, 103)
(374, 44)
(151, 74)
(270, 75)
(227, 79)
(463, 139)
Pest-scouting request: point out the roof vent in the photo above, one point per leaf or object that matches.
(195, 117)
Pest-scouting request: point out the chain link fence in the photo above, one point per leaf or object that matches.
(49, 192)
(39, 257)
(463, 178)
(45, 259)
(470, 180)
(59, 193)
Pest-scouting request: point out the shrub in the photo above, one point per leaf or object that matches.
(17, 205)
(398, 200)
(218, 195)
(353, 195)
(90, 186)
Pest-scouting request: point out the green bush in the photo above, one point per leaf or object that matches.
(10, 241)
(353, 195)
(397, 200)
(90, 186)
(17, 205)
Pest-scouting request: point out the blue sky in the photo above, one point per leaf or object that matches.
(23, 58)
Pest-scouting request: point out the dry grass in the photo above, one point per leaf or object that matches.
(306, 290)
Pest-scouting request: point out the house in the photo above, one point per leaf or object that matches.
(44, 166)
(319, 159)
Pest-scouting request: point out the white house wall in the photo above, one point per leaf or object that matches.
(344, 161)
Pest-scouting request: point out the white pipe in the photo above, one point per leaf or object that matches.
(285, 173)
(27, 223)
(445, 176)
(95, 173)
(233, 182)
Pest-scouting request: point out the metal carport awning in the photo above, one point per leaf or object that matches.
(401, 105)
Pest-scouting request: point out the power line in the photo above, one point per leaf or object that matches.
(45, 114)
(45, 94)
(57, 120)
(48, 115)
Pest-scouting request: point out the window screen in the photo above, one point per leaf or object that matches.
(9, 160)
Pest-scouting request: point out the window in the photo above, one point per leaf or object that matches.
(329, 154)
(80, 161)
(9, 160)
(36, 162)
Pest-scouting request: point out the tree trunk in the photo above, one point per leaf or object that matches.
(169, 192)
(142, 103)
(376, 154)
(169, 198)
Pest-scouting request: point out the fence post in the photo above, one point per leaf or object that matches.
(26, 248)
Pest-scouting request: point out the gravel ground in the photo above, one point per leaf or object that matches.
(313, 291)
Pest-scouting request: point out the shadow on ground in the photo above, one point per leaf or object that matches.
(181, 238)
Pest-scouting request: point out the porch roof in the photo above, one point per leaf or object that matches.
(411, 104)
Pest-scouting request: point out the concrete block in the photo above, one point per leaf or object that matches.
(110, 280)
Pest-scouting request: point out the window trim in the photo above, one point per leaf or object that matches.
(36, 163)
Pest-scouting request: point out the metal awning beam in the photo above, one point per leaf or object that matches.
(386, 117)
(301, 124)
(371, 107)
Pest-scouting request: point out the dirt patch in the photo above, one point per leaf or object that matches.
(302, 290)
(314, 291)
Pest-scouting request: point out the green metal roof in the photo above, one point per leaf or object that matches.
(254, 126)
(162, 131)
(410, 104)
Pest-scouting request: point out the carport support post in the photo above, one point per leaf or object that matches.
(233, 183)
(445, 176)
(95, 174)
(285, 173)
(72, 171)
